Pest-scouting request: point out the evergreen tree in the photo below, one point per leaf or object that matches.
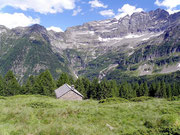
(64, 78)
(130, 91)
(136, 89)
(123, 92)
(92, 93)
(146, 89)
(158, 89)
(163, 90)
(12, 86)
(175, 90)
(86, 84)
(169, 91)
(37, 88)
(100, 91)
(1, 87)
(28, 89)
(105, 89)
(141, 89)
(114, 88)
(80, 87)
(47, 83)
(152, 90)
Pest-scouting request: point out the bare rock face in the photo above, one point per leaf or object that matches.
(80, 45)
(102, 32)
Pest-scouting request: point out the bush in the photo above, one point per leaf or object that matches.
(40, 105)
(1, 97)
(140, 99)
(113, 100)
(175, 98)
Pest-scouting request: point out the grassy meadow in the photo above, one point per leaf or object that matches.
(41, 115)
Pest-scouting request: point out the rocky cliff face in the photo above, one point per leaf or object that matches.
(89, 49)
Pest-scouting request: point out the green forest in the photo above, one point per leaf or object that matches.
(161, 86)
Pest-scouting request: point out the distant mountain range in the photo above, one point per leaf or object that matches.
(144, 43)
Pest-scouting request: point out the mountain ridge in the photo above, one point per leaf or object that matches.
(103, 43)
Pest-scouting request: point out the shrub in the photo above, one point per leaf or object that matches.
(40, 105)
(175, 98)
(113, 100)
(1, 97)
(140, 99)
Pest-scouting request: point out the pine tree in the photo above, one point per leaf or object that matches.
(146, 89)
(12, 86)
(163, 90)
(158, 89)
(136, 89)
(169, 91)
(28, 89)
(86, 84)
(123, 92)
(47, 83)
(100, 91)
(130, 91)
(37, 88)
(141, 89)
(114, 88)
(152, 90)
(80, 87)
(64, 78)
(174, 90)
(92, 93)
(106, 90)
(1, 87)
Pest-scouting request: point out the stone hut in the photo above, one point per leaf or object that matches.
(67, 92)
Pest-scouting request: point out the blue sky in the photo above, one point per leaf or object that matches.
(60, 14)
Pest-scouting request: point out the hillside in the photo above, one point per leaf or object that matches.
(144, 43)
(36, 115)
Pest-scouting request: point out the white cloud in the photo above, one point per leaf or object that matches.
(17, 19)
(97, 4)
(108, 13)
(75, 12)
(56, 29)
(41, 6)
(172, 11)
(127, 10)
(169, 4)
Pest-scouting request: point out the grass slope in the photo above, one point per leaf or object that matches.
(40, 115)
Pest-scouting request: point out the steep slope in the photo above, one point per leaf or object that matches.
(141, 44)
(30, 53)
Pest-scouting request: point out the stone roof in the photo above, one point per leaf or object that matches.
(65, 89)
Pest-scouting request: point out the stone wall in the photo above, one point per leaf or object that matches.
(71, 96)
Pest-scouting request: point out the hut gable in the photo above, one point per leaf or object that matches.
(68, 93)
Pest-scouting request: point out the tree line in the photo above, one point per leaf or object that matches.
(44, 84)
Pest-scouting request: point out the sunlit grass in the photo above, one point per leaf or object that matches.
(45, 115)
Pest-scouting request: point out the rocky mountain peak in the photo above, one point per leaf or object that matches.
(37, 28)
(159, 14)
(3, 29)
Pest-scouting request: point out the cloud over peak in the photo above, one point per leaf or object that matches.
(127, 10)
(171, 5)
(17, 19)
(56, 29)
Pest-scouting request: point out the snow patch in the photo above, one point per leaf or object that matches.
(178, 65)
(145, 39)
(133, 36)
(108, 39)
(86, 33)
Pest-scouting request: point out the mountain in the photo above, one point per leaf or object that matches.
(144, 43)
